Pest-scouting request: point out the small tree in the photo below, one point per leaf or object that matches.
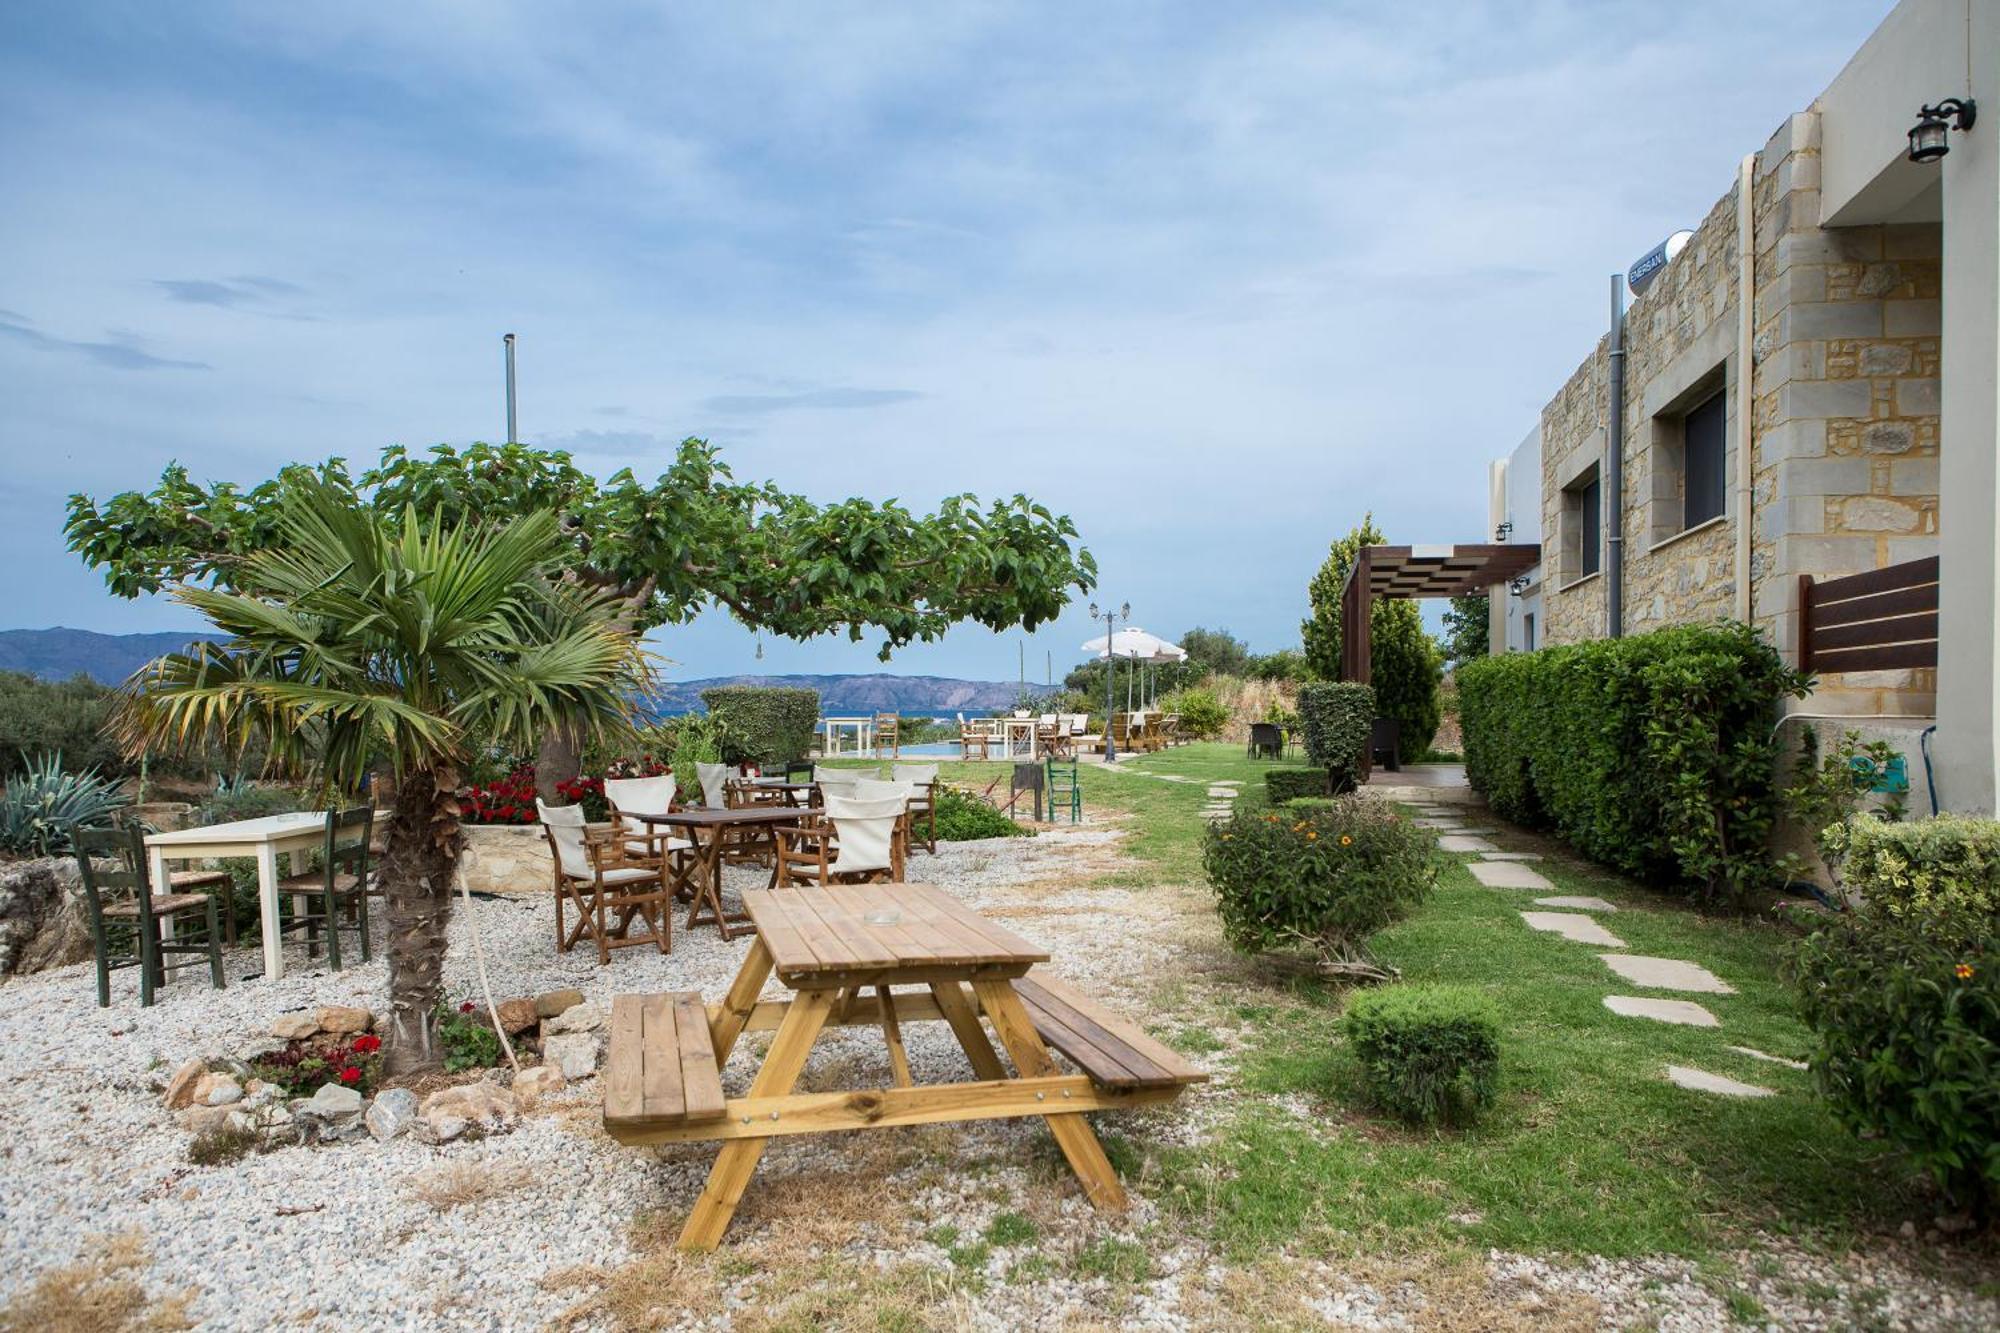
(1405, 663)
(1467, 626)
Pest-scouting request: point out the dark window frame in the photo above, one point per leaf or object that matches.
(1590, 527)
(1705, 460)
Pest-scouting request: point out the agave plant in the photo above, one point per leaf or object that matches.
(42, 806)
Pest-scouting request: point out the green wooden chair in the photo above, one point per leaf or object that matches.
(1064, 787)
(123, 898)
(338, 888)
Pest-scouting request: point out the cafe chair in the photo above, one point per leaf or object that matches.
(853, 842)
(922, 821)
(121, 899)
(594, 874)
(339, 888)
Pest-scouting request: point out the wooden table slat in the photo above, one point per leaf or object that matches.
(624, 1073)
(661, 1091)
(701, 1080)
(835, 909)
(983, 941)
(819, 950)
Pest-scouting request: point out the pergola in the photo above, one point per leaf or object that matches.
(1418, 571)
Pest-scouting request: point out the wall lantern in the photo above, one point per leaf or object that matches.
(1518, 585)
(1503, 532)
(1927, 136)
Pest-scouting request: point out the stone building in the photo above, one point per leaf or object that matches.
(1843, 421)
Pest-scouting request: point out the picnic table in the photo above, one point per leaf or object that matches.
(709, 830)
(831, 947)
(266, 838)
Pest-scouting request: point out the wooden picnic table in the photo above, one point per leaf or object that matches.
(831, 946)
(701, 873)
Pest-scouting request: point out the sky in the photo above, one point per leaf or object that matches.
(1214, 280)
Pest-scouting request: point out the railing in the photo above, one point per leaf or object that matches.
(1877, 621)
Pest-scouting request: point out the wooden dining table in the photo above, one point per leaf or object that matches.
(700, 874)
(831, 947)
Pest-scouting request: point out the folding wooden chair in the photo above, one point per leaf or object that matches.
(594, 874)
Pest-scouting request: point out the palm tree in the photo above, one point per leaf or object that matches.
(350, 643)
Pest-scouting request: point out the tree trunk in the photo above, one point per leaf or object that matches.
(558, 760)
(419, 863)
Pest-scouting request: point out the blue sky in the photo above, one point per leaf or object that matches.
(1212, 279)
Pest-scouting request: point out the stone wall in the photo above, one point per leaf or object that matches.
(507, 858)
(1844, 422)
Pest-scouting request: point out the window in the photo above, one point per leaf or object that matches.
(1528, 632)
(1583, 526)
(1703, 453)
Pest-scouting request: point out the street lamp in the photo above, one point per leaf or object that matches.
(1110, 619)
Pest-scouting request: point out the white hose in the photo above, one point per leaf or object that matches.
(479, 958)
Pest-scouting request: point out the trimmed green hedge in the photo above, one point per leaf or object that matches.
(1948, 861)
(1651, 754)
(1289, 784)
(1429, 1054)
(765, 724)
(1337, 718)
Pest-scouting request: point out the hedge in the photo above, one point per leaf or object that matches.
(766, 724)
(1430, 1054)
(1338, 718)
(1288, 784)
(1948, 861)
(1651, 754)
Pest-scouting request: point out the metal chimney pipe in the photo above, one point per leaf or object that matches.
(509, 340)
(1614, 470)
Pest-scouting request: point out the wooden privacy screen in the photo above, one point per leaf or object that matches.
(1877, 621)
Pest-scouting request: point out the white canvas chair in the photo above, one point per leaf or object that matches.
(648, 796)
(922, 821)
(876, 789)
(835, 781)
(854, 842)
(714, 784)
(593, 874)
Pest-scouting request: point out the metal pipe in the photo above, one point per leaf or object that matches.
(1614, 470)
(509, 341)
(1746, 372)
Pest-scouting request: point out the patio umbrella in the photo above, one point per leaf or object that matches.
(1135, 645)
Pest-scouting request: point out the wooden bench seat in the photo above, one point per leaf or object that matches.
(661, 1069)
(1112, 1050)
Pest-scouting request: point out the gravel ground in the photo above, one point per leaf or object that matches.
(340, 1237)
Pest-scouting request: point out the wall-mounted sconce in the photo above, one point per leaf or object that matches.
(1503, 532)
(1518, 585)
(1934, 123)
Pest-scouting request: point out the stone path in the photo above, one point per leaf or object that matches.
(1498, 869)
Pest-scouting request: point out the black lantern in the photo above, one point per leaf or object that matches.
(1934, 123)
(1503, 532)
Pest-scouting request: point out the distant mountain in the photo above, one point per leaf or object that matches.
(861, 694)
(58, 654)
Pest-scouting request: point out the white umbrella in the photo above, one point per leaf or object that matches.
(1135, 645)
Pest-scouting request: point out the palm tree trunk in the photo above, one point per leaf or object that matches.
(419, 861)
(558, 759)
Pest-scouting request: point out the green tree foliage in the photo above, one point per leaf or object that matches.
(1210, 652)
(1466, 628)
(1337, 718)
(1405, 663)
(768, 725)
(347, 639)
(39, 717)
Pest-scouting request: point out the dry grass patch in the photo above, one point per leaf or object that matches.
(99, 1292)
(459, 1184)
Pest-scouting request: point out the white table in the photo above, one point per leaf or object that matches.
(265, 838)
(1018, 737)
(864, 735)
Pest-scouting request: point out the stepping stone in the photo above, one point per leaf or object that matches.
(1506, 874)
(1513, 856)
(1477, 832)
(1578, 904)
(1459, 842)
(1228, 793)
(1702, 1081)
(1573, 926)
(1685, 1012)
(1432, 821)
(1756, 1054)
(1666, 974)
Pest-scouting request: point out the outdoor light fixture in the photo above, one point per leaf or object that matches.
(1518, 585)
(1503, 532)
(1110, 619)
(1927, 136)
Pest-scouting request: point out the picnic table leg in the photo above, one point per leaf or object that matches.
(727, 1025)
(1072, 1133)
(727, 1180)
(267, 908)
(963, 1015)
(892, 1032)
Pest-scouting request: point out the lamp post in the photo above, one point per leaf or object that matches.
(1110, 619)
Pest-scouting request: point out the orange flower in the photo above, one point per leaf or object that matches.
(1964, 971)
(1346, 841)
(1270, 819)
(1312, 836)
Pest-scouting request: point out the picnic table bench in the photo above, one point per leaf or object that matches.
(833, 947)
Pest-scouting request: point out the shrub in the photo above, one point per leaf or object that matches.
(1325, 878)
(304, 1067)
(765, 725)
(1289, 784)
(962, 817)
(41, 717)
(1905, 1012)
(467, 1042)
(1429, 1054)
(1948, 861)
(1337, 719)
(240, 798)
(505, 800)
(1405, 662)
(1651, 754)
(44, 805)
(1203, 716)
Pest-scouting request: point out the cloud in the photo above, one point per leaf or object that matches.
(243, 293)
(833, 399)
(119, 355)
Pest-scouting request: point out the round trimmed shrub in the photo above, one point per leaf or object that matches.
(1323, 878)
(1428, 1054)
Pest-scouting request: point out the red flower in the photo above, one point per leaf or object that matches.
(467, 1007)
(367, 1043)
(350, 1075)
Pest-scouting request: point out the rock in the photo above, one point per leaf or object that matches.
(180, 1088)
(43, 920)
(556, 1001)
(217, 1090)
(294, 1027)
(258, 1093)
(517, 1016)
(391, 1113)
(575, 1053)
(259, 1047)
(344, 1020)
(452, 1111)
(333, 1100)
(576, 1018)
(207, 1119)
(531, 1085)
